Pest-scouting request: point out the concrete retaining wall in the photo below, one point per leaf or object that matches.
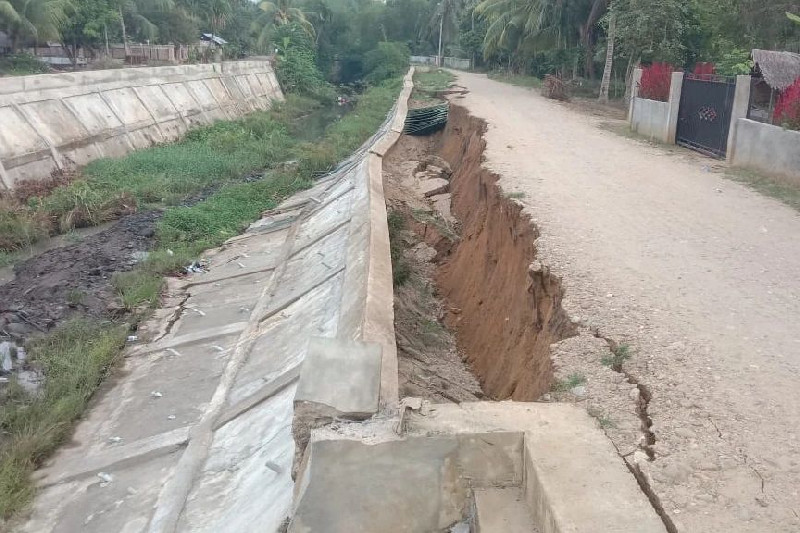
(48, 121)
(767, 148)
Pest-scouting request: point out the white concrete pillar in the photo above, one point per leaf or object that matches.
(741, 102)
(635, 80)
(675, 89)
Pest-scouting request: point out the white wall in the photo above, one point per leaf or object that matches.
(48, 121)
(767, 148)
(650, 118)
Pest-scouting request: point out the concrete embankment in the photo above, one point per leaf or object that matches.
(52, 121)
(196, 434)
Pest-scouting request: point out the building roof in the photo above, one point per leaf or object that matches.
(779, 69)
(214, 38)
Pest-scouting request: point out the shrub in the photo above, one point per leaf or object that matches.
(787, 110)
(656, 81)
(388, 60)
(296, 66)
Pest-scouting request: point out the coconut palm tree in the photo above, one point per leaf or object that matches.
(38, 20)
(513, 22)
(612, 26)
(279, 13)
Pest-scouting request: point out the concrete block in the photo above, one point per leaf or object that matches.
(502, 510)
(342, 376)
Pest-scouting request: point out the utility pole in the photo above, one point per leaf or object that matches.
(441, 28)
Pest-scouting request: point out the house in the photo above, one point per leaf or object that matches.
(773, 72)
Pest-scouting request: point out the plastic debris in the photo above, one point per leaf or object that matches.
(156, 394)
(170, 252)
(196, 267)
(115, 440)
(107, 478)
(132, 338)
(171, 417)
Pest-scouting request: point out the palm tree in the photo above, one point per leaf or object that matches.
(279, 13)
(33, 19)
(513, 22)
(612, 26)
(443, 26)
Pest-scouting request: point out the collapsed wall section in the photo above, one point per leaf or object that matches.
(50, 121)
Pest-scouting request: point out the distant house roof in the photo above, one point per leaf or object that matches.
(213, 38)
(779, 69)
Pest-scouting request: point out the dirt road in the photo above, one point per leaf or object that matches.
(698, 275)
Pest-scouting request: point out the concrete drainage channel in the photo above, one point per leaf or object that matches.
(269, 398)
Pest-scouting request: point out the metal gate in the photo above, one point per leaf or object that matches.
(704, 116)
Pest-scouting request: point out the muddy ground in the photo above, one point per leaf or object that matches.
(74, 279)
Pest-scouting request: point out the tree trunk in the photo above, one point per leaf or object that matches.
(628, 79)
(124, 34)
(612, 26)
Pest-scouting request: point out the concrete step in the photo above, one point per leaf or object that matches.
(502, 511)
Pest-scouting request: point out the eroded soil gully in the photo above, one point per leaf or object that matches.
(510, 304)
(502, 303)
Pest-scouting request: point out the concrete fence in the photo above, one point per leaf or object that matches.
(654, 119)
(448, 62)
(50, 121)
(755, 145)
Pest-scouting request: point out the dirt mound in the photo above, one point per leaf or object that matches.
(58, 283)
(505, 306)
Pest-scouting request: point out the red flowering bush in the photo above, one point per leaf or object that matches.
(787, 110)
(655, 82)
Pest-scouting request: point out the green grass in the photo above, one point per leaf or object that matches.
(776, 187)
(137, 288)
(619, 355)
(22, 65)
(516, 79)
(432, 80)
(433, 218)
(163, 175)
(75, 357)
(572, 381)
(515, 195)
(74, 360)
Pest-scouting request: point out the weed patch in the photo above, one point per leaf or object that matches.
(572, 381)
(401, 270)
(74, 359)
(618, 356)
(432, 81)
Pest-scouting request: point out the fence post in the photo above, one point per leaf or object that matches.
(675, 89)
(741, 103)
(635, 80)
